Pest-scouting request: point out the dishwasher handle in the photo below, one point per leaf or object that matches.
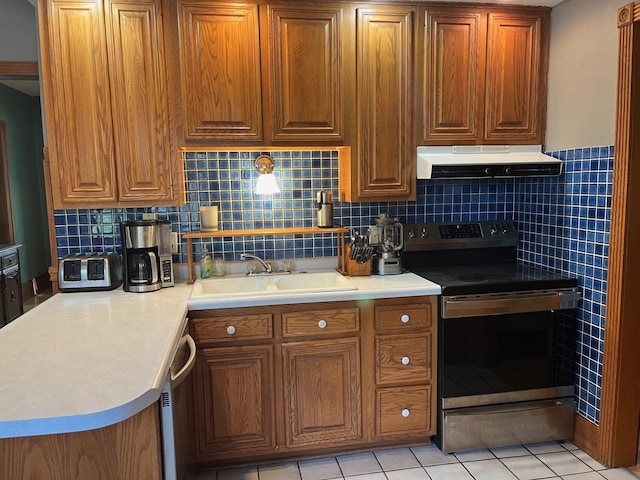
(179, 376)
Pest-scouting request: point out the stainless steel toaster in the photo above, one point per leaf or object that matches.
(86, 272)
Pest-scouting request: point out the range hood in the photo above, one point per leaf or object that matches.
(486, 161)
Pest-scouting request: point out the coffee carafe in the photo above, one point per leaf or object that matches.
(387, 236)
(140, 256)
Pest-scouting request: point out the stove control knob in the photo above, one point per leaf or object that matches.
(423, 233)
(506, 229)
(493, 229)
(487, 171)
(411, 234)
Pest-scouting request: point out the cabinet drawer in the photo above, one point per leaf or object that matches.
(320, 322)
(233, 328)
(403, 358)
(402, 411)
(392, 317)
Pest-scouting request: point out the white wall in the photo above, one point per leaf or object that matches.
(18, 31)
(583, 67)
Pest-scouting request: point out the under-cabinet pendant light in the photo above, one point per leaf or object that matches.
(266, 184)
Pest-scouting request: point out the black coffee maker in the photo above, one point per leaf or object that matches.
(141, 258)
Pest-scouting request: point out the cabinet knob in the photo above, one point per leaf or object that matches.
(322, 324)
(404, 318)
(406, 412)
(231, 330)
(405, 360)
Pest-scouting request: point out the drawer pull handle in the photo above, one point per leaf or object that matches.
(406, 412)
(322, 324)
(231, 330)
(404, 318)
(405, 360)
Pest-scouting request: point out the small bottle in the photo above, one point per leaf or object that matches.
(205, 264)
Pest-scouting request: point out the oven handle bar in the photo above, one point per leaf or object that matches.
(460, 306)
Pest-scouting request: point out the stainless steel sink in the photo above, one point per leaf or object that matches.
(293, 283)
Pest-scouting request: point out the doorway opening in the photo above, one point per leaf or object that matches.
(7, 236)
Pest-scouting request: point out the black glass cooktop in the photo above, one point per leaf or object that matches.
(492, 278)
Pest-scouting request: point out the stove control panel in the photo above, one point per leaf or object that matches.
(460, 235)
(460, 230)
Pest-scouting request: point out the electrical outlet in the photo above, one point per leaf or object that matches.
(175, 242)
(149, 216)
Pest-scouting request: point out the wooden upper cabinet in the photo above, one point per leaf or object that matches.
(454, 77)
(139, 99)
(304, 88)
(105, 101)
(384, 162)
(77, 101)
(516, 79)
(484, 76)
(220, 71)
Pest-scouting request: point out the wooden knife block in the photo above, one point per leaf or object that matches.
(351, 267)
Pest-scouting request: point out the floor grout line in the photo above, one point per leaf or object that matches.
(490, 456)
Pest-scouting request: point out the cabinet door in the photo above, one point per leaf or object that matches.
(77, 102)
(303, 58)
(139, 98)
(385, 164)
(322, 392)
(220, 71)
(515, 82)
(235, 409)
(453, 88)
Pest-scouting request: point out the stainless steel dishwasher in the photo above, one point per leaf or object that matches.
(175, 416)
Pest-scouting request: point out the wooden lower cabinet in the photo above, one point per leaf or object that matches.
(322, 392)
(405, 355)
(234, 401)
(127, 450)
(289, 381)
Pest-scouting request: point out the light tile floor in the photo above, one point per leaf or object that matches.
(552, 461)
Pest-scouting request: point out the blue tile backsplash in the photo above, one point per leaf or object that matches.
(564, 225)
(563, 222)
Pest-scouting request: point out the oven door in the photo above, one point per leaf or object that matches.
(498, 353)
(506, 369)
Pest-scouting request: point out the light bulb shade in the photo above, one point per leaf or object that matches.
(266, 184)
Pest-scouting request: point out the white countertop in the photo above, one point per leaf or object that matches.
(81, 361)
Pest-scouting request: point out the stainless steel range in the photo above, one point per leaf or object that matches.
(506, 330)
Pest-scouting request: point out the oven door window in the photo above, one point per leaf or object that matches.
(504, 353)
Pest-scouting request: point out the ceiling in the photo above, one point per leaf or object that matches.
(32, 87)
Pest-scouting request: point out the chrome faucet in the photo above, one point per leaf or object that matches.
(249, 256)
